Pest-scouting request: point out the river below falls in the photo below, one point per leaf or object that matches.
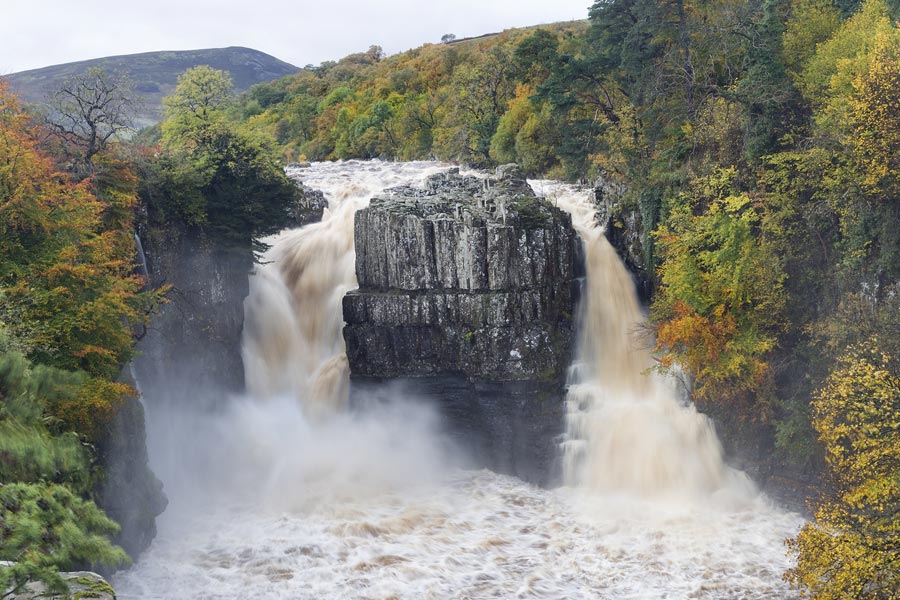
(270, 499)
(476, 535)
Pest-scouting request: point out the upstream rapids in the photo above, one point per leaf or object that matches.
(289, 493)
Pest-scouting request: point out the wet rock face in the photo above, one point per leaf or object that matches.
(311, 204)
(129, 491)
(193, 345)
(467, 276)
(467, 295)
(624, 229)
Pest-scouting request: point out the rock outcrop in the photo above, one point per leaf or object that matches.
(129, 492)
(624, 228)
(467, 294)
(189, 355)
(194, 343)
(312, 203)
(82, 584)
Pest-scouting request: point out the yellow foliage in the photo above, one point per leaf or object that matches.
(876, 116)
(721, 298)
(852, 549)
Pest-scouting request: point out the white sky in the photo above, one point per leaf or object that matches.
(39, 33)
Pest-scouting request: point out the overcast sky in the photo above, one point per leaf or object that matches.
(38, 33)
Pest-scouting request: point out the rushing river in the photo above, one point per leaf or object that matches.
(287, 493)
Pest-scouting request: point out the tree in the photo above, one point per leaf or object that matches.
(47, 525)
(447, 38)
(47, 528)
(720, 301)
(70, 293)
(90, 110)
(811, 23)
(852, 549)
(196, 106)
(481, 93)
(215, 176)
(876, 118)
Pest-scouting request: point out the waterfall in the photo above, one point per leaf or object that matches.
(627, 428)
(283, 493)
(293, 319)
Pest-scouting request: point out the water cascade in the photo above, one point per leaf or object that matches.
(292, 327)
(287, 493)
(628, 429)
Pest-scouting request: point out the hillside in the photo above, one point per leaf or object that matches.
(156, 73)
(438, 100)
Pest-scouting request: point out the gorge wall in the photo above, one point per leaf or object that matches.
(189, 355)
(467, 291)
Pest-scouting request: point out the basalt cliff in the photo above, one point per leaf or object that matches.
(467, 291)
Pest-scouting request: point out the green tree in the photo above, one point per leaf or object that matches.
(47, 528)
(214, 175)
(811, 22)
(47, 525)
(197, 107)
(481, 92)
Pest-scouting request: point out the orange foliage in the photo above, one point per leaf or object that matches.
(67, 274)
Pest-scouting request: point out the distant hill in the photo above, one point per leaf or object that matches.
(156, 73)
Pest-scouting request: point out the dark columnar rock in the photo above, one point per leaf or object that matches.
(624, 229)
(467, 286)
(194, 343)
(312, 203)
(129, 491)
(472, 276)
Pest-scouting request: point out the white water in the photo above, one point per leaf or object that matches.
(280, 498)
(628, 429)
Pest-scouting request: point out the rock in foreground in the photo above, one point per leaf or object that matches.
(82, 584)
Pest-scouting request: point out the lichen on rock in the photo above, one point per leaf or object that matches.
(466, 296)
(469, 275)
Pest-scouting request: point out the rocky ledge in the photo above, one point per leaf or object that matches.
(467, 293)
(82, 584)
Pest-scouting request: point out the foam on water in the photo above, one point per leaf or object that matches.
(287, 494)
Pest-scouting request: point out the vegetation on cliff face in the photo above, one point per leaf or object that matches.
(851, 550)
(68, 304)
(72, 301)
(759, 143)
(757, 140)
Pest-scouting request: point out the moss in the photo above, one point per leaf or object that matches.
(95, 588)
(530, 212)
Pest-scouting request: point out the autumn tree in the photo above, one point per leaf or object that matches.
(876, 118)
(720, 301)
(89, 111)
(852, 548)
(70, 293)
